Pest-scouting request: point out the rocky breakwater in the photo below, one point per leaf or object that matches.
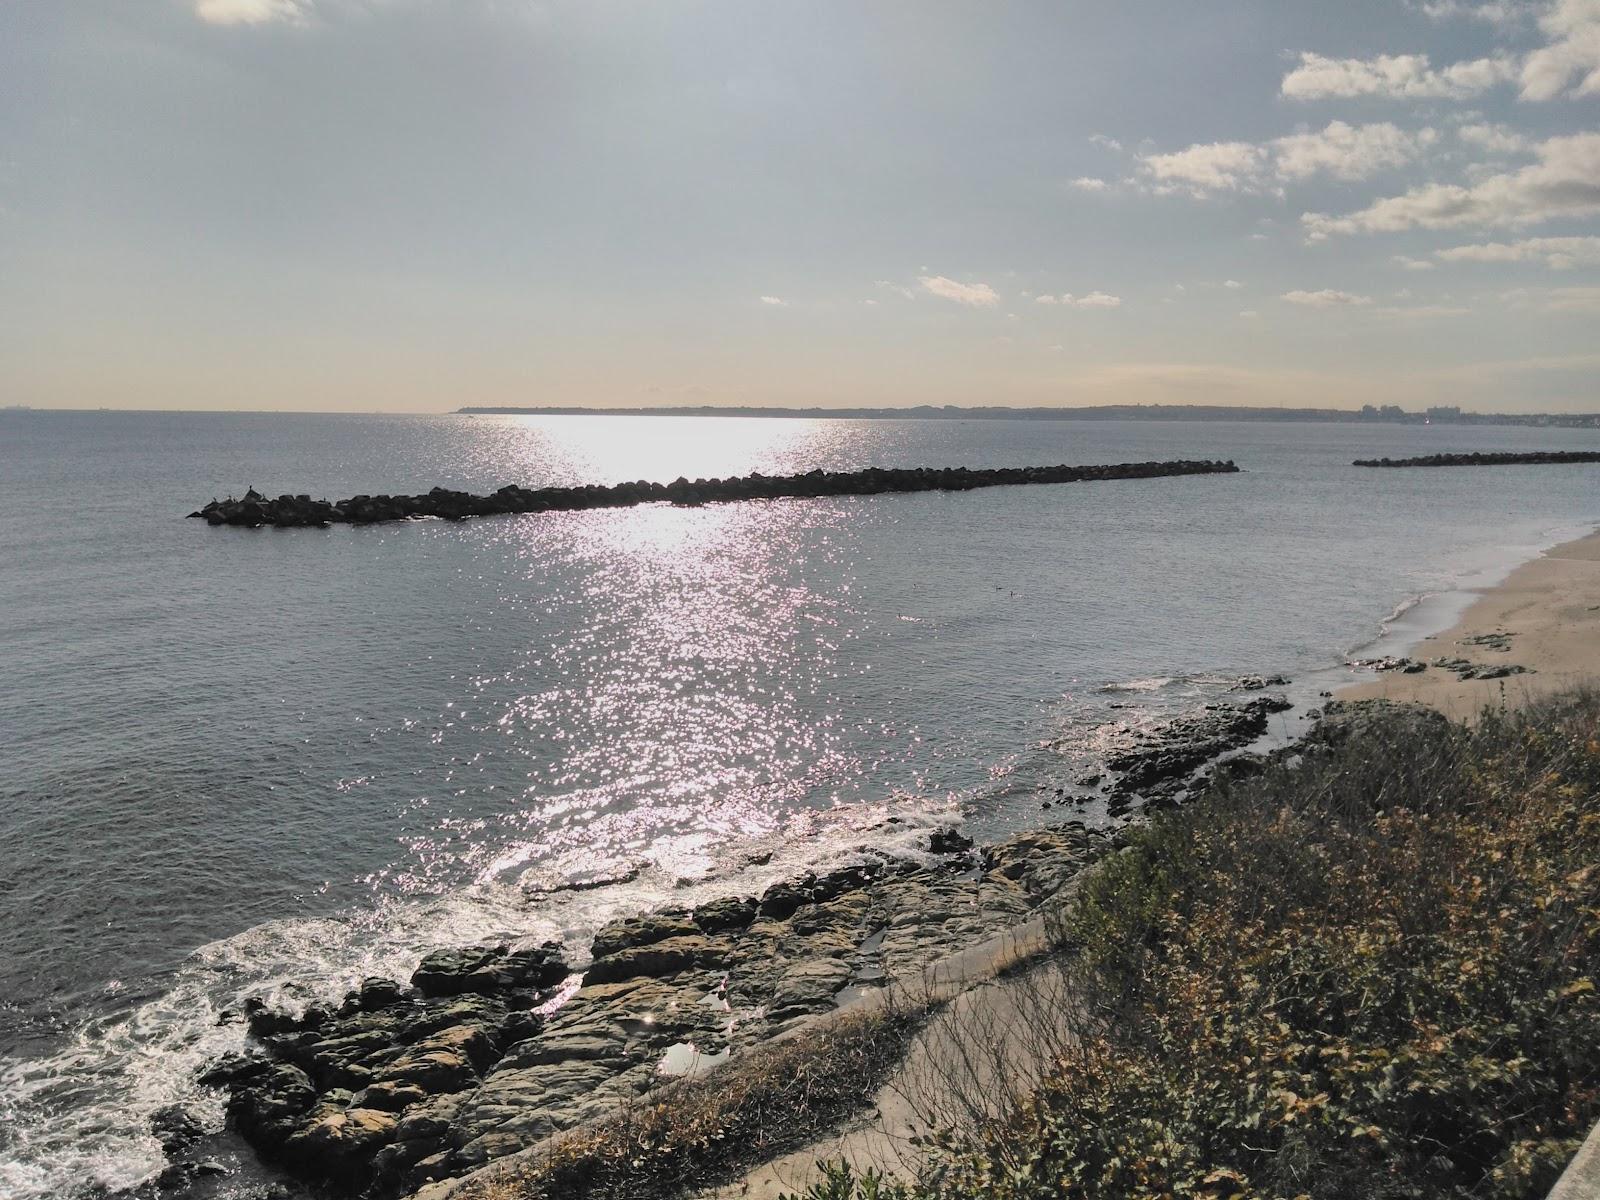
(489, 1050)
(1493, 459)
(254, 509)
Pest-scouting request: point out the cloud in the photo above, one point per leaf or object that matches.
(1497, 12)
(979, 295)
(1412, 264)
(1087, 183)
(1349, 151)
(1565, 182)
(1558, 253)
(1566, 299)
(1575, 299)
(1573, 27)
(1104, 142)
(1232, 284)
(1209, 167)
(1249, 314)
(1092, 300)
(899, 289)
(1421, 312)
(1344, 151)
(250, 12)
(1397, 75)
(776, 301)
(1326, 298)
(1496, 139)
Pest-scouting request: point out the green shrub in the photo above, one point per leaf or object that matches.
(1369, 972)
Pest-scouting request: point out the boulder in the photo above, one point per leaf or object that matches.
(732, 912)
(667, 957)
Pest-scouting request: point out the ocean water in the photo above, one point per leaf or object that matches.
(271, 762)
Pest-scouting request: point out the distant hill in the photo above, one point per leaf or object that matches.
(1388, 414)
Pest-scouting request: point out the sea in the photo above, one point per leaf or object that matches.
(240, 763)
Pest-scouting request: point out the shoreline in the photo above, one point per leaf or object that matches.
(1543, 616)
(1577, 585)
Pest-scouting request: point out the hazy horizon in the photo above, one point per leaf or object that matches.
(413, 206)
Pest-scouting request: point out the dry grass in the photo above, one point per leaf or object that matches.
(695, 1133)
(1371, 972)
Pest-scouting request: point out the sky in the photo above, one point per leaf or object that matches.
(412, 205)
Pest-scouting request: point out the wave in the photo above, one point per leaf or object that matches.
(76, 1120)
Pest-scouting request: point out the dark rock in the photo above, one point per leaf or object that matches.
(301, 511)
(782, 899)
(733, 912)
(176, 1129)
(1188, 743)
(948, 840)
(666, 957)
(641, 931)
(232, 1068)
(487, 969)
(1493, 459)
(378, 993)
(266, 1106)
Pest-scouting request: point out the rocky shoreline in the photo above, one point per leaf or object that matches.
(487, 1050)
(254, 509)
(1492, 459)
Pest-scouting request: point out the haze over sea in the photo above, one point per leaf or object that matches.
(272, 762)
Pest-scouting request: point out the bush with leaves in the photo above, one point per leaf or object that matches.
(1370, 971)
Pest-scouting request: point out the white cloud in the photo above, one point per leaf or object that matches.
(1232, 284)
(1400, 75)
(1496, 12)
(1104, 142)
(1573, 27)
(1558, 253)
(979, 295)
(1250, 314)
(1326, 298)
(774, 300)
(1092, 300)
(1341, 150)
(899, 289)
(1349, 151)
(249, 12)
(1087, 183)
(1209, 167)
(1495, 139)
(1565, 182)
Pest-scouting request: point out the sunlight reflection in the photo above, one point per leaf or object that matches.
(598, 449)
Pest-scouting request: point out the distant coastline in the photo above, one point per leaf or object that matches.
(1368, 414)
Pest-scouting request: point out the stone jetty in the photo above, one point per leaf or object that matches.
(254, 509)
(1497, 459)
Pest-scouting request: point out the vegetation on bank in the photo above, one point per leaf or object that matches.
(783, 1096)
(1368, 971)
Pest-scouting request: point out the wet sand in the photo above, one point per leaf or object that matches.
(1549, 611)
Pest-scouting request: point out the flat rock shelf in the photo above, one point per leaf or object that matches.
(1501, 459)
(255, 509)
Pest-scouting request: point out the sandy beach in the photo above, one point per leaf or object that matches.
(1544, 617)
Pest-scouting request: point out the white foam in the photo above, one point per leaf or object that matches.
(80, 1116)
